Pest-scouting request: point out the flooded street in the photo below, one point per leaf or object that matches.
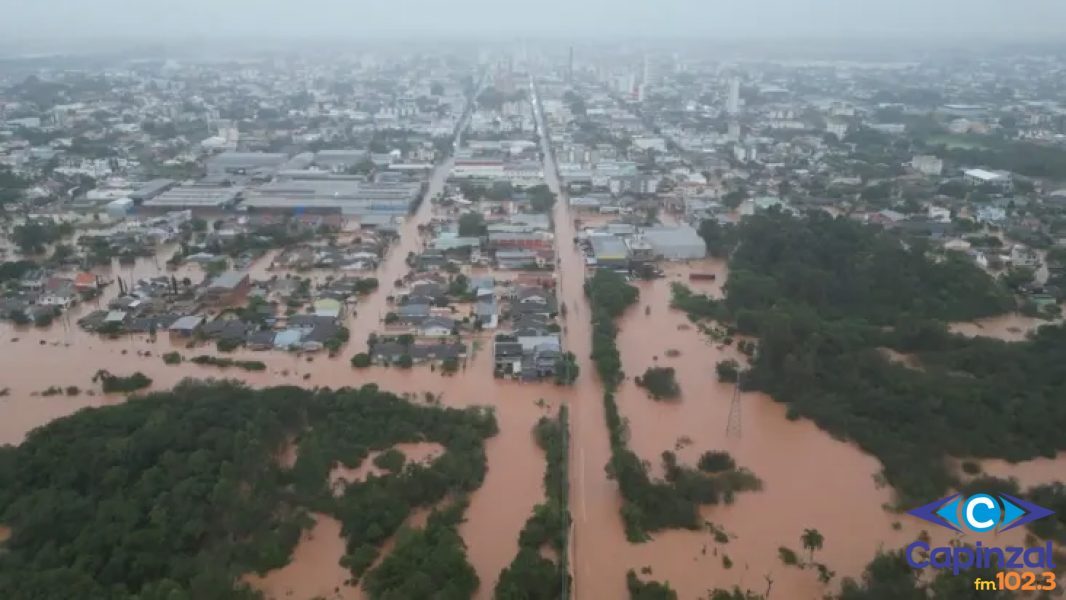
(810, 479)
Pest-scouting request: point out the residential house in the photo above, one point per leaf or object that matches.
(487, 313)
(436, 327)
(227, 288)
(317, 338)
(85, 282)
(1024, 257)
(534, 300)
(185, 327)
(328, 307)
(288, 339)
(516, 259)
(507, 355)
(412, 314)
(57, 291)
(541, 361)
(230, 330)
(261, 340)
(427, 293)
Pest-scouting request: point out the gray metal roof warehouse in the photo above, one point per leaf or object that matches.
(349, 197)
(196, 196)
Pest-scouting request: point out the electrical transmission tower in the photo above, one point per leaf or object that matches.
(732, 427)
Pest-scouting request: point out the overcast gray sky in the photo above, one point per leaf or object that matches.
(116, 19)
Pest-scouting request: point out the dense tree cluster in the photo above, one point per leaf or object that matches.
(176, 494)
(1024, 158)
(118, 384)
(660, 382)
(842, 269)
(13, 270)
(32, 236)
(531, 576)
(566, 369)
(541, 198)
(716, 461)
(609, 295)
(426, 563)
(648, 590)
(728, 370)
(824, 295)
(225, 363)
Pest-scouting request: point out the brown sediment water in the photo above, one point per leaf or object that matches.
(313, 571)
(1029, 473)
(1013, 327)
(341, 476)
(5, 533)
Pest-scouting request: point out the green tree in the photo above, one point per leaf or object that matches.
(471, 225)
(812, 540)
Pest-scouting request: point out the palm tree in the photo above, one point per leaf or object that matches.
(812, 540)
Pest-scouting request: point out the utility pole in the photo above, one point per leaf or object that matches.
(732, 428)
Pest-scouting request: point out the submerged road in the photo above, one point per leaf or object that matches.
(597, 533)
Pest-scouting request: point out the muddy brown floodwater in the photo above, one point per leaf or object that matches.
(313, 571)
(415, 452)
(1012, 328)
(810, 479)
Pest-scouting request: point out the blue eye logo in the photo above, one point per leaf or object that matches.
(980, 512)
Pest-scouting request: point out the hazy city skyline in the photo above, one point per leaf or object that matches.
(57, 20)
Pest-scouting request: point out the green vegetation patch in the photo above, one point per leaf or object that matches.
(823, 295)
(178, 493)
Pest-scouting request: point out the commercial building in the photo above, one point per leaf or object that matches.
(732, 103)
(196, 196)
(469, 168)
(151, 189)
(927, 164)
(336, 196)
(609, 251)
(675, 243)
(339, 161)
(245, 163)
(983, 177)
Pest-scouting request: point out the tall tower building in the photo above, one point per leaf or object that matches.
(732, 103)
(570, 67)
(649, 70)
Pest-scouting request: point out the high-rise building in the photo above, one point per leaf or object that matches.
(570, 67)
(651, 71)
(732, 103)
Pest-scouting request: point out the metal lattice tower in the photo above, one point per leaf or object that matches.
(732, 427)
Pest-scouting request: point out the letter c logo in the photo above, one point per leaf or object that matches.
(981, 512)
